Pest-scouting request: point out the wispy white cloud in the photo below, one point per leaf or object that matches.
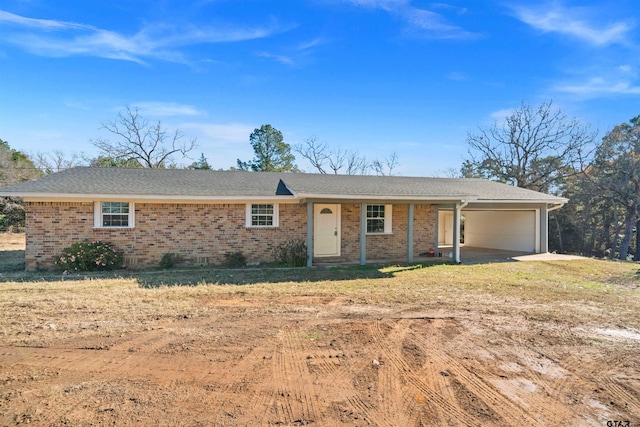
(457, 76)
(597, 87)
(627, 69)
(283, 59)
(420, 21)
(501, 115)
(222, 134)
(580, 23)
(318, 41)
(167, 109)
(388, 5)
(45, 24)
(153, 41)
(295, 56)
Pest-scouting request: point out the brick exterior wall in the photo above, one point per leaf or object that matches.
(200, 233)
(203, 233)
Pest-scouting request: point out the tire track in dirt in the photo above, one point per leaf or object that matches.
(295, 400)
(621, 398)
(325, 365)
(56, 358)
(412, 402)
(108, 364)
(248, 376)
(335, 367)
(145, 342)
(432, 397)
(475, 383)
(391, 392)
(556, 379)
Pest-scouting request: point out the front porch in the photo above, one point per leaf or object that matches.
(376, 231)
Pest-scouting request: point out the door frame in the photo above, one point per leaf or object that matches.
(336, 208)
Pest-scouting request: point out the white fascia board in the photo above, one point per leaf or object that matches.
(379, 197)
(559, 200)
(66, 197)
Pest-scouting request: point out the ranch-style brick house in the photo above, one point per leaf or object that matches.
(202, 215)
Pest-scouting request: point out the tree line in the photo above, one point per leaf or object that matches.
(534, 147)
(138, 143)
(542, 149)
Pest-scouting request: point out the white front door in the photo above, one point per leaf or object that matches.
(326, 230)
(445, 228)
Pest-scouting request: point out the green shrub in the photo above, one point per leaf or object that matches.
(89, 256)
(235, 260)
(169, 260)
(292, 253)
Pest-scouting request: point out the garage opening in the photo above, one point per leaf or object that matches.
(508, 230)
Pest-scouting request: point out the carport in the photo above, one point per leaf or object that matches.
(513, 227)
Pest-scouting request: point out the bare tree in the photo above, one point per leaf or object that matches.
(616, 173)
(337, 161)
(448, 173)
(356, 164)
(151, 145)
(386, 165)
(533, 148)
(317, 153)
(56, 161)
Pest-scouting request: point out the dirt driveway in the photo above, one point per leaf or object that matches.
(299, 361)
(108, 352)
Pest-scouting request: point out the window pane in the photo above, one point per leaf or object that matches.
(115, 214)
(375, 211)
(262, 209)
(262, 215)
(375, 218)
(375, 225)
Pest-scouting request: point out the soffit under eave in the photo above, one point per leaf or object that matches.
(378, 200)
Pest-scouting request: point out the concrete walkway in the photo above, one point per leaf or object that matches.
(482, 256)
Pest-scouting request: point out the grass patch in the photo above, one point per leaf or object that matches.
(600, 291)
(12, 252)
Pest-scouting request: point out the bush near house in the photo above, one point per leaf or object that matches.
(89, 256)
(235, 260)
(292, 253)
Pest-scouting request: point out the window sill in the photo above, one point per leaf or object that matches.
(379, 234)
(113, 228)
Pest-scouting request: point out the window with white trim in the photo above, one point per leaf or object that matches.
(379, 219)
(113, 215)
(262, 215)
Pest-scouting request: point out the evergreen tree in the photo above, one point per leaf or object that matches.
(272, 154)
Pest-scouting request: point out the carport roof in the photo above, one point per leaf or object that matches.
(85, 182)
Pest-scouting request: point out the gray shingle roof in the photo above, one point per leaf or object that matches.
(203, 184)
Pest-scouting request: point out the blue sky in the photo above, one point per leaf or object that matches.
(372, 76)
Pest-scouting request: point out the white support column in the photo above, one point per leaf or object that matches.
(544, 229)
(309, 234)
(437, 236)
(363, 234)
(456, 233)
(410, 234)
